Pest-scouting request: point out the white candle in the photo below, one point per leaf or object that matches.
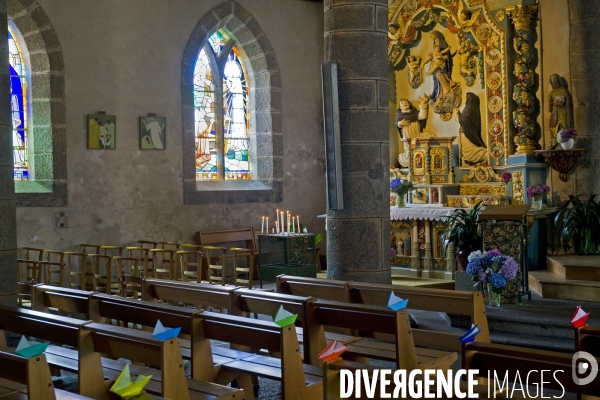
(288, 222)
(262, 229)
(281, 223)
(267, 225)
(298, 222)
(293, 225)
(277, 226)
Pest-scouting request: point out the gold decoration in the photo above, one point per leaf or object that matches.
(400, 224)
(472, 3)
(518, 189)
(530, 219)
(400, 260)
(418, 162)
(481, 174)
(438, 163)
(493, 190)
(500, 15)
(419, 196)
(472, 201)
(445, 117)
(522, 15)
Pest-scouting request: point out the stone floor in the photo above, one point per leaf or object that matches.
(539, 323)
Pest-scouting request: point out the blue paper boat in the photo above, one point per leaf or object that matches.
(162, 333)
(470, 335)
(396, 303)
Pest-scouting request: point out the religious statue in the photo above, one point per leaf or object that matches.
(560, 105)
(435, 196)
(467, 55)
(446, 94)
(410, 123)
(473, 149)
(415, 73)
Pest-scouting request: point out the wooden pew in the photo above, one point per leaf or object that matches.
(510, 360)
(367, 318)
(298, 381)
(198, 294)
(45, 297)
(323, 289)
(587, 338)
(33, 372)
(470, 304)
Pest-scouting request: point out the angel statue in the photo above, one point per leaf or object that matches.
(415, 73)
(464, 19)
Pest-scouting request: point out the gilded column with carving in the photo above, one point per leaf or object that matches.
(523, 117)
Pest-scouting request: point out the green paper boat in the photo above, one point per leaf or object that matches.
(27, 349)
(284, 318)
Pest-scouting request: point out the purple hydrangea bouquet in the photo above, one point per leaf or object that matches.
(401, 187)
(537, 190)
(564, 135)
(494, 270)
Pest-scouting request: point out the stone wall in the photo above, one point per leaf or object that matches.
(125, 58)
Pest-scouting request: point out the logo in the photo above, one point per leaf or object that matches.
(585, 368)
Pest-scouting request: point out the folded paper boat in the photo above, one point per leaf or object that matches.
(162, 333)
(396, 303)
(333, 351)
(125, 388)
(284, 318)
(28, 349)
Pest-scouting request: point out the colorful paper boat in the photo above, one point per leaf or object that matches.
(124, 387)
(396, 303)
(470, 335)
(27, 349)
(333, 351)
(579, 317)
(284, 318)
(162, 333)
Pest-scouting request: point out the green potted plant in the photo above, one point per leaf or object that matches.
(580, 224)
(461, 229)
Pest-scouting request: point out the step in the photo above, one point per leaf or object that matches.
(550, 285)
(570, 266)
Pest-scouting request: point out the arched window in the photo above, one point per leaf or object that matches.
(19, 104)
(222, 138)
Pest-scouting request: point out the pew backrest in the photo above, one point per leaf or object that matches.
(33, 372)
(324, 289)
(66, 300)
(587, 338)
(198, 294)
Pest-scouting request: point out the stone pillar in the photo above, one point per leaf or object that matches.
(585, 85)
(527, 134)
(8, 210)
(358, 236)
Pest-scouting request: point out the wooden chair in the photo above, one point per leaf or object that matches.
(149, 244)
(143, 254)
(243, 265)
(113, 251)
(32, 253)
(53, 266)
(162, 263)
(215, 273)
(76, 269)
(190, 264)
(129, 267)
(103, 276)
(28, 270)
(24, 293)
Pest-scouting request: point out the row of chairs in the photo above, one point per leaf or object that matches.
(98, 267)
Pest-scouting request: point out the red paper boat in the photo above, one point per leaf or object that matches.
(579, 317)
(333, 351)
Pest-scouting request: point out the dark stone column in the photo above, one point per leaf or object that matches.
(358, 236)
(585, 87)
(8, 210)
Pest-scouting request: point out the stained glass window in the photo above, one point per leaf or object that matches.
(18, 103)
(221, 79)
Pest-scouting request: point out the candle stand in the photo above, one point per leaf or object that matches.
(290, 254)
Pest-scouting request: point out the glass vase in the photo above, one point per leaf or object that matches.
(536, 202)
(493, 296)
(400, 201)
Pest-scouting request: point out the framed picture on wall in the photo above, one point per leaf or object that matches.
(153, 132)
(101, 131)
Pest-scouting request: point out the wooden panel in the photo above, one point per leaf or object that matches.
(244, 335)
(362, 320)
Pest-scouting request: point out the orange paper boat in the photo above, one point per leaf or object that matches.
(579, 317)
(333, 351)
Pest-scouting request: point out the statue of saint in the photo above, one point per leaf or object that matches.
(473, 149)
(560, 106)
(410, 123)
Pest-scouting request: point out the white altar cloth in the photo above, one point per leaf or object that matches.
(430, 213)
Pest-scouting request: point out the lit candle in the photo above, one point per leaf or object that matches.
(298, 222)
(262, 229)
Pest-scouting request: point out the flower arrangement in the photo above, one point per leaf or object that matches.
(537, 190)
(494, 269)
(401, 186)
(506, 177)
(564, 135)
(393, 252)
